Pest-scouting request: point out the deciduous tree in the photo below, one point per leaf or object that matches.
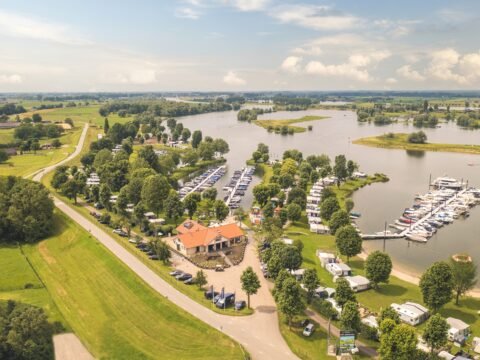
(436, 285)
(250, 283)
(378, 267)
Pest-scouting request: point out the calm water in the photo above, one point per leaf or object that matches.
(409, 173)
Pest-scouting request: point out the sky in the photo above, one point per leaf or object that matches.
(238, 45)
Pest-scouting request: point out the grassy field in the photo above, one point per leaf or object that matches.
(28, 163)
(114, 313)
(79, 114)
(288, 122)
(19, 282)
(399, 141)
(6, 136)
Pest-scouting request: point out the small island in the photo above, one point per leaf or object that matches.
(409, 142)
(284, 126)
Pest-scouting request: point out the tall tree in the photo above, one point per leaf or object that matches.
(162, 250)
(464, 276)
(340, 168)
(436, 285)
(344, 293)
(196, 138)
(436, 332)
(311, 283)
(221, 210)
(348, 241)
(174, 208)
(201, 279)
(328, 207)
(290, 299)
(106, 126)
(339, 218)
(294, 212)
(191, 203)
(104, 195)
(378, 267)
(350, 318)
(250, 283)
(154, 192)
(397, 342)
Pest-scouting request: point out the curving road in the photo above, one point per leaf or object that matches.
(258, 333)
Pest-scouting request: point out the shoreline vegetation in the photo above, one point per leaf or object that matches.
(400, 141)
(276, 125)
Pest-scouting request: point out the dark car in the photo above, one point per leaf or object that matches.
(141, 245)
(120, 232)
(189, 281)
(98, 206)
(183, 277)
(225, 301)
(153, 257)
(95, 214)
(219, 268)
(239, 305)
(209, 294)
(176, 272)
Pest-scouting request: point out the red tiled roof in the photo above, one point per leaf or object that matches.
(188, 226)
(202, 236)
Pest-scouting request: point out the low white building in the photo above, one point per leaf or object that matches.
(298, 274)
(358, 283)
(411, 313)
(459, 330)
(446, 355)
(314, 200)
(339, 269)
(319, 229)
(326, 258)
(335, 305)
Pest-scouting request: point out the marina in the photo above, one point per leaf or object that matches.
(449, 200)
(202, 182)
(237, 187)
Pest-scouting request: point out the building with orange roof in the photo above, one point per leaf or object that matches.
(194, 238)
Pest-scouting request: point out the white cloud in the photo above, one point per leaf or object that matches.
(334, 43)
(231, 78)
(250, 5)
(391, 81)
(407, 72)
(470, 64)
(10, 79)
(187, 13)
(442, 66)
(25, 27)
(291, 64)
(314, 17)
(355, 68)
(134, 77)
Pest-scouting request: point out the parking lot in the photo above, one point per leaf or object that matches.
(230, 277)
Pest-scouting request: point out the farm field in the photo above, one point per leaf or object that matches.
(114, 313)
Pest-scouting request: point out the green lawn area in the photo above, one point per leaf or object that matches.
(306, 348)
(115, 314)
(399, 141)
(6, 136)
(20, 283)
(79, 114)
(28, 163)
(288, 122)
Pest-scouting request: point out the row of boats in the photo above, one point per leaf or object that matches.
(201, 182)
(237, 187)
(433, 210)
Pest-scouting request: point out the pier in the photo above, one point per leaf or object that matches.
(402, 234)
(232, 193)
(217, 170)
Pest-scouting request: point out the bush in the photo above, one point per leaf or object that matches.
(417, 138)
(326, 309)
(369, 332)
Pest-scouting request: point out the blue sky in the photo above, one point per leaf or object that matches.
(238, 45)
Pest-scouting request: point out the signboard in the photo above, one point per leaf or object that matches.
(347, 341)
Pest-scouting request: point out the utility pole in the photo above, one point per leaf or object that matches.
(384, 236)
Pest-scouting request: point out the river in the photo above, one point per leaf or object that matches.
(409, 173)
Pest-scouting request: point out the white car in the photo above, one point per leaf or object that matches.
(308, 330)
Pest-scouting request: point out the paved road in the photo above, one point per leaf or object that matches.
(258, 333)
(69, 347)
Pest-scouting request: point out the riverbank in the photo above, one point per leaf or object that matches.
(400, 141)
(273, 125)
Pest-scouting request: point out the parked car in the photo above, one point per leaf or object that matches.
(225, 301)
(98, 206)
(189, 281)
(176, 272)
(308, 330)
(132, 241)
(219, 268)
(239, 305)
(120, 232)
(141, 245)
(183, 277)
(209, 294)
(145, 249)
(95, 214)
(153, 257)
